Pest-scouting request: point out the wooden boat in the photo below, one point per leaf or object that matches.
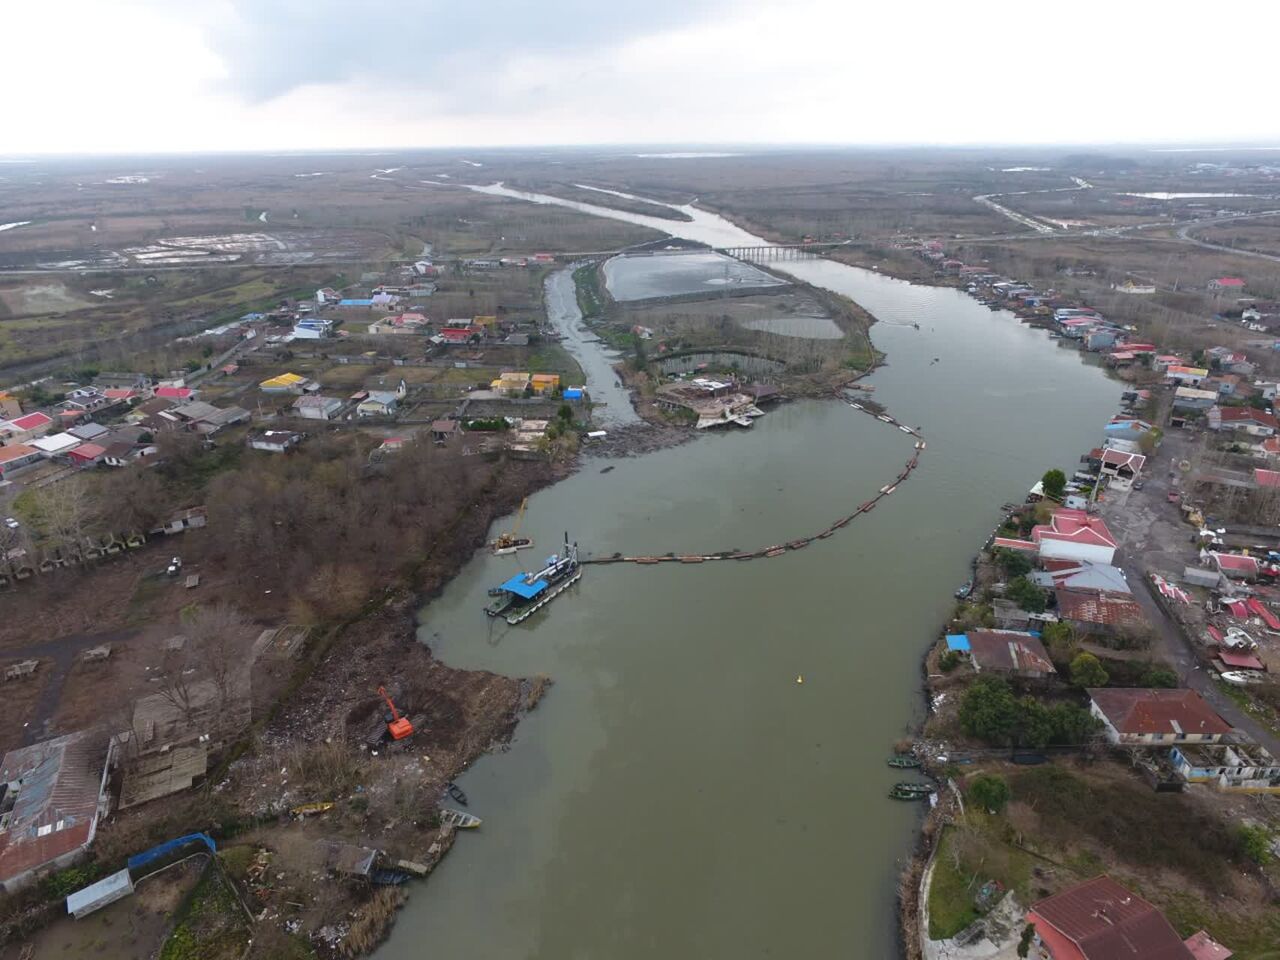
(463, 821)
(907, 791)
(455, 791)
(965, 589)
(906, 786)
(903, 761)
(775, 552)
(310, 809)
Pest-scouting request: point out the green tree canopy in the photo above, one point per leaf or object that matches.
(990, 792)
(1088, 671)
(1026, 595)
(1054, 483)
(1014, 563)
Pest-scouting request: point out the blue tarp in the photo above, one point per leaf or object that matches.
(521, 588)
(155, 853)
(355, 303)
(958, 642)
(573, 393)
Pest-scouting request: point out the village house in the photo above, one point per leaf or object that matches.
(1227, 766)
(1189, 398)
(178, 394)
(1081, 576)
(287, 383)
(1254, 422)
(1121, 465)
(316, 407)
(274, 441)
(17, 457)
(25, 428)
(325, 296)
(52, 795)
(382, 403)
(1009, 652)
(1101, 920)
(313, 328)
(1186, 376)
(56, 445)
(1141, 717)
(544, 383)
(1100, 612)
(1236, 566)
(442, 430)
(511, 383)
(1074, 535)
(401, 323)
(1122, 427)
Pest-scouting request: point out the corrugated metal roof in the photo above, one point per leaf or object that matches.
(1108, 922)
(56, 809)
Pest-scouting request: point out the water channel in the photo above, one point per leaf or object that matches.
(679, 792)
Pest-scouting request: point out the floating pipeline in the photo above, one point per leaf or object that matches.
(778, 549)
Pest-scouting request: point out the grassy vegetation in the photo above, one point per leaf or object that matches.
(1254, 936)
(971, 853)
(553, 358)
(210, 924)
(950, 900)
(591, 299)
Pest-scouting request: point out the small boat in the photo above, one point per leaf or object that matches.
(455, 791)
(965, 589)
(903, 761)
(463, 821)
(606, 469)
(896, 794)
(910, 791)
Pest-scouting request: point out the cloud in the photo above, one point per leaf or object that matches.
(445, 47)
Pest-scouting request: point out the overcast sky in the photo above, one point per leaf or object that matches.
(174, 75)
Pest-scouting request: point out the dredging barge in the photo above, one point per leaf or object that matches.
(526, 593)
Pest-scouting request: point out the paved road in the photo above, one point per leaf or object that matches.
(1154, 538)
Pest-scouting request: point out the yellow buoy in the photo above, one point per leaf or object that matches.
(800, 679)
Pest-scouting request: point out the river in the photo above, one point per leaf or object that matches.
(680, 792)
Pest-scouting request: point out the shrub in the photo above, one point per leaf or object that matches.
(1026, 595)
(1255, 843)
(1088, 671)
(948, 661)
(990, 792)
(1014, 563)
(1159, 677)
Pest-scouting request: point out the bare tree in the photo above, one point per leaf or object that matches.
(63, 511)
(214, 634)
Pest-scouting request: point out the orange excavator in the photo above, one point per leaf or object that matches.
(398, 727)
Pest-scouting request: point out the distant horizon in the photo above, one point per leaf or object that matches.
(714, 150)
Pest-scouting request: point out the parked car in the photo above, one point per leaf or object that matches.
(175, 567)
(11, 523)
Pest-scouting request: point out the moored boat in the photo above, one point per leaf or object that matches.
(455, 791)
(904, 761)
(965, 589)
(459, 819)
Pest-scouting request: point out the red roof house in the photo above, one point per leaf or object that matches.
(1204, 947)
(175, 393)
(87, 454)
(1138, 717)
(56, 794)
(1101, 920)
(1099, 611)
(1255, 421)
(1074, 535)
(1226, 283)
(27, 427)
(1236, 565)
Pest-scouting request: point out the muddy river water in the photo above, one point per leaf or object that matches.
(680, 792)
